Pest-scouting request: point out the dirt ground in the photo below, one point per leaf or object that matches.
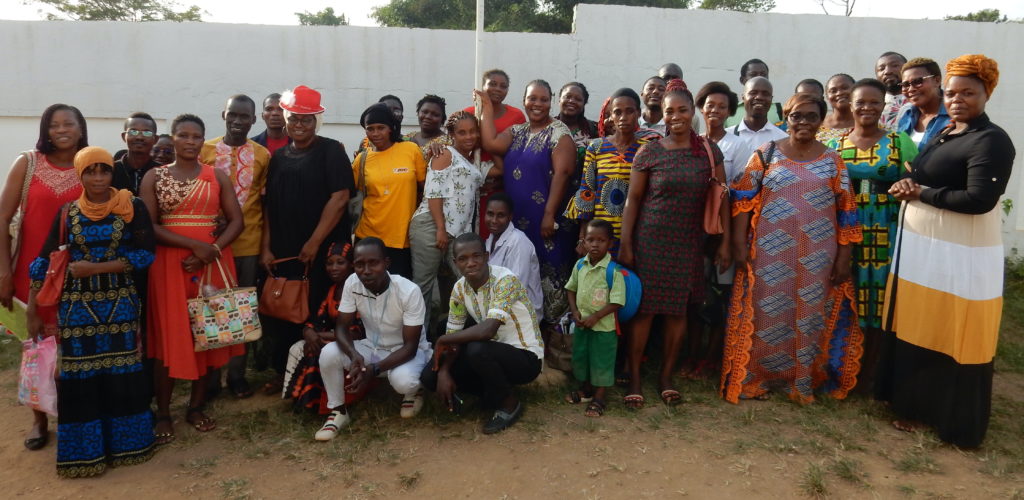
(703, 449)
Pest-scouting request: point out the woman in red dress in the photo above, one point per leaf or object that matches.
(39, 183)
(184, 199)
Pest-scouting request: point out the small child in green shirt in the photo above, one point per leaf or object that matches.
(593, 307)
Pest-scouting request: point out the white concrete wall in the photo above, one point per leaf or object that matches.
(111, 69)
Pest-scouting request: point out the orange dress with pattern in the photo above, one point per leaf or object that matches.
(187, 208)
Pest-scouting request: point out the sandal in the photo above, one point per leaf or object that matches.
(594, 409)
(634, 401)
(163, 438)
(240, 389)
(204, 423)
(577, 397)
(671, 397)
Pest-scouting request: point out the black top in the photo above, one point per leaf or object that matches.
(128, 177)
(965, 172)
(299, 184)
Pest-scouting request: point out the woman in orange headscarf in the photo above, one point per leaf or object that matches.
(103, 397)
(944, 300)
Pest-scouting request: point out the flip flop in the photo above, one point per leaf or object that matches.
(163, 438)
(671, 397)
(634, 401)
(204, 423)
(594, 409)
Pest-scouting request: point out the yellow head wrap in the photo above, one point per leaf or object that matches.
(120, 202)
(975, 65)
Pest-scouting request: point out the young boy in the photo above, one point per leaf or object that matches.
(511, 248)
(593, 308)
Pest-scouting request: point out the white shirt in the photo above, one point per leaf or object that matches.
(502, 298)
(739, 144)
(386, 314)
(459, 186)
(516, 252)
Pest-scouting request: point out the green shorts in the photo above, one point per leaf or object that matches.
(593, 356)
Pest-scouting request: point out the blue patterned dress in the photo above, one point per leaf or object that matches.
(103, 396)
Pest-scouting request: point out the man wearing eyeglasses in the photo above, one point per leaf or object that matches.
(245, 162)
(887, 70)
(139, 135)
(924, 115)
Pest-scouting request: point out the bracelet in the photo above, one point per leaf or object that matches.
(215, 245)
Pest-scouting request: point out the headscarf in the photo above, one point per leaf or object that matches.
(381, 113)
(120, 202)
(342, 248)
(978, 66)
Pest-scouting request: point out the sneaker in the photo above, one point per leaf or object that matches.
(503, 420)
(412, 406)
(336, 421)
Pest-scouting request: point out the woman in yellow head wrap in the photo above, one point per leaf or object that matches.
(944, 300)
(103, 397)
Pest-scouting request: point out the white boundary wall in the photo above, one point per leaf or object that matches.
(109, 69)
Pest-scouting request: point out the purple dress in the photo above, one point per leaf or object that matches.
(528, 173)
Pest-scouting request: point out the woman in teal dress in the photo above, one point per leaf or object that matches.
(875, 158)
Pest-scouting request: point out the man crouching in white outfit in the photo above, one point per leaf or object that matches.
(391, 308)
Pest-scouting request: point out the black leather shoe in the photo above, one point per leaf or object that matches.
(503, 420)
(37, 443)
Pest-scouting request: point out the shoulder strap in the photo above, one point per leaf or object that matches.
(711, 154)
(579, 263)
(609, 274)
(30, 171)
(64, 223)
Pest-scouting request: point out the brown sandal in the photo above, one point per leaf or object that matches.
(634, 401)
(204, 423)
(163, 438)
(594, 409)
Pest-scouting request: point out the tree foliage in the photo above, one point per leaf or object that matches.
(846, 5)
(981, 16)
(541, 16)
(325, 17)
(120, 10)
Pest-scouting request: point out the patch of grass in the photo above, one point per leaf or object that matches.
(409, 481)
(907, 490)
(200, 466)
(812, 482)
(916, 463)
(1010, 351)
(235, 488)
(849, 470)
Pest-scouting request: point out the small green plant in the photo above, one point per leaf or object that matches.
(1007, 206)
(812, 482)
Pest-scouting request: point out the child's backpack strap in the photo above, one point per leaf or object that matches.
(609, 274)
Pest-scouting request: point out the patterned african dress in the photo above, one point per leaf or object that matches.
(669, 236)
(871, 173)
(825, 135)
(605, 184)
(527, 175)
(789, 328)
(103, 415)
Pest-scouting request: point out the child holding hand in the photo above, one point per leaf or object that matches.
(594, 305)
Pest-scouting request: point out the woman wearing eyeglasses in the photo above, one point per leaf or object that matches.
(792, 321)
(308, 186)
(924, 115)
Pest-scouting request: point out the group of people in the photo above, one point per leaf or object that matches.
(459, 258)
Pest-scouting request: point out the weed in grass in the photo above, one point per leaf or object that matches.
(409, 481)
(200, 466)
(907, 490)
(917, 462)
(388, 456)
(849, 470)
(235, 488)
(812, 482)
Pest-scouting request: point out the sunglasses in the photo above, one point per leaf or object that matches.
(916, 82)
(135, 133)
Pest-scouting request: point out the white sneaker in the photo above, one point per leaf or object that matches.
(411, 406)
(335, 422)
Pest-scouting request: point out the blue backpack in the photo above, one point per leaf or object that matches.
(634, 290)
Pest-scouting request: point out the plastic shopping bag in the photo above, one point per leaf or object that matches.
(36, 386)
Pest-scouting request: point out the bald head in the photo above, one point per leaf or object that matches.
(670, 71)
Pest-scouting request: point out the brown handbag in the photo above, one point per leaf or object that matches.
(286, 299)
(48, 297)
(717, 191)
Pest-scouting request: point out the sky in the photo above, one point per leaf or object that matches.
(358, 11)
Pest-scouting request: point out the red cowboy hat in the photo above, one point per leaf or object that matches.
(302, 101)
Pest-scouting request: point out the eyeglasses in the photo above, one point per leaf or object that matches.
(916, 82)
(803, 117)
(304, 120)
(135, 133)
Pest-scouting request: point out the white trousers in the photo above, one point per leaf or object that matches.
(404, 378)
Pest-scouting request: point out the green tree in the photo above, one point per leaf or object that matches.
(739, 5)
(120, 10)
(542, 16)
(981, 16)
(325, 17)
